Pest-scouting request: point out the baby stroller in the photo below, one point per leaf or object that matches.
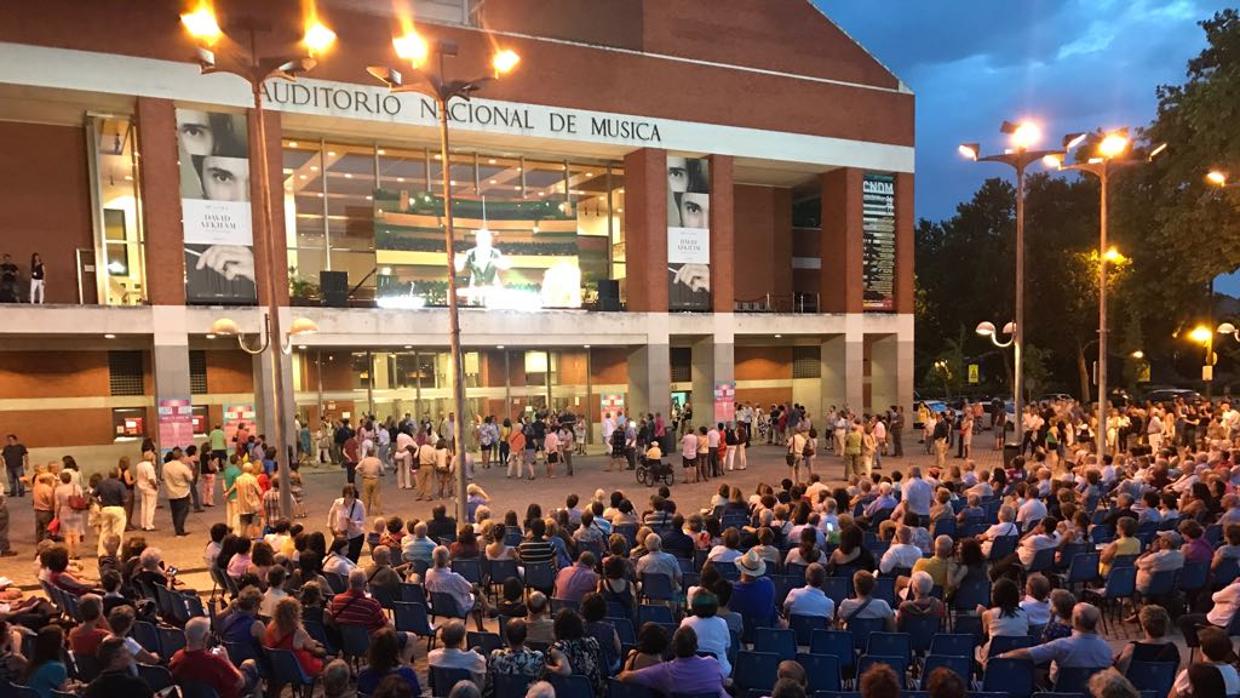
(651, 471)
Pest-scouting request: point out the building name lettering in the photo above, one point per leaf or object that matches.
(374, 102)
(870, 186)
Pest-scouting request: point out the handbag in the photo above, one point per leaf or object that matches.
(53, 526)
(78, 502)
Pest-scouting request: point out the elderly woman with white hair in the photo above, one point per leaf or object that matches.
(1006, 527)
(441, 579)
(921, 604)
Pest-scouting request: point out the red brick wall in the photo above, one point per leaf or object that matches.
(763, 363)
(39, 374)
(229, 372)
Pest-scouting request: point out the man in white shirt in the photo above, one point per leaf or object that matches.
(712, 445)
(424, 476)
(810, 600)
(609, 426)
(1005, 527)
(902, 554)
(178, 481)
(1046, 536)
(917, 495)
(403, 461)
(453, 654)
(1031, 510)
(148, 491)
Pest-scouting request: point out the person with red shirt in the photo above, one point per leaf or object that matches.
(84, 639)
(195, 663)
(354, 607)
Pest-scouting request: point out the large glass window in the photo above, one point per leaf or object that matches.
(114, 272)
(530, 233)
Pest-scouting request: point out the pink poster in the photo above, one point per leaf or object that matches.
(725, 402)
(234, 416)
(176, 424)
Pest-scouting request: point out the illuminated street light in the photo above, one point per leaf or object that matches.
(416, 50)
(987, 329)
(1023, 136)
(1138, 355)
(243, 60)
(1107, 150)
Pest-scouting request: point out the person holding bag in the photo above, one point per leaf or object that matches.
(70, 507)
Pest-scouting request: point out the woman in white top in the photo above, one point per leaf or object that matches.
(712, 631)
(1005, 619)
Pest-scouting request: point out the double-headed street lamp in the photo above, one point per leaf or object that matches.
(241, 57)
(1024, 136)
(987, 329)
(1110, 150)
(416, 50)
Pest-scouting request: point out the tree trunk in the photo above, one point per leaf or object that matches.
(1083, 372)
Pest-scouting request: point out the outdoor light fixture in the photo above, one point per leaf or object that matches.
(987, 329)
(1023, 135)
(1108, 148)
(1138, 354)
(227, 327)
(1202, 334)
(1228, 328)
(429, 78)
(1217, 177)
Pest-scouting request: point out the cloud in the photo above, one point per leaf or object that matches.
(1075, 65)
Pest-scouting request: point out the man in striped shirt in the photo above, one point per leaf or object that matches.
(536, 550)
(354, 607)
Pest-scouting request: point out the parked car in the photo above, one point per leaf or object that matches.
(1055, 397)
(1172, 394)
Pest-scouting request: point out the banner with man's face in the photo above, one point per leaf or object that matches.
(688, 233)
(213, 148)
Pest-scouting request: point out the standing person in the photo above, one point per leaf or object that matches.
(966, 435)
(940, 435)
(5, 549)
(443, 467)
(111, 495)
(219, 443)
(730, 441)
(351, 454)
(424, 470)
(179, 482)
(147, 489)
(347, 519)
(16, 462)
(210, 468)
(447, 430)
(192, 460)
(879, 429)
(853, 442)
(567, 446)
(488, 435)
(38, 275)
(44, 500)
(796, 453)
(404, 459)
(551, 442)
(370, 469)
(249, 497)
(869, 447)
(840, 427)
(688, 454)
(70, 509)
(714, 437)
(897, 430)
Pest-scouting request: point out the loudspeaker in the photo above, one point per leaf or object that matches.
(609, 295)
(335, 288)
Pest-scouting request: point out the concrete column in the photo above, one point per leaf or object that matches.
(169, 361)
(842, 376)
(650, 376)
(161, 202)
(841, 241)
(884, 373)
(713, 360)
(645, 230)
(905, 243)
(904, 370)
(722, 237)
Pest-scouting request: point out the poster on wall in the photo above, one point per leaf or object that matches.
(235, 416)
(878, 235)
(725, 402)
(611, 403)
(215, 207)
(688, 233)
(176, 424)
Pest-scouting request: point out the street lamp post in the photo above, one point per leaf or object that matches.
(1024, 135)
(247, 63)
(1108, 150)
(413, 48)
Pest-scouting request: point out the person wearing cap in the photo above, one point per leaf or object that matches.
(753, 595)
(1083, 649)
(1164, 556)
(1217, 651)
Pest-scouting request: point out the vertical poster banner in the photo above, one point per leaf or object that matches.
(688, 233)
(176, 424)
(612, 403)
(235, 416)
(878, 235)
(215, 207)
(725, 402)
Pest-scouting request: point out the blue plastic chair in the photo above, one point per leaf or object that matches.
(541, 577)
(1161, 584)
(885, 589)
(943, 526)
(146, 635)
(860, 629)
(1004, 643)
(968, 625)
(615, 689)
(354, 641)
(1225, 573)
(920, 630)
(1152, 676)
(890, 645)
(946, 645)
(558, 605)
(337, 582)
(898, 664)
(442, 679)
(822, 671)
(962, 666)
(170, 640)
(971, 594)
(468, 567)
(804, 626)
(837, 588)
(1193, 576)
(776, 641)
(287, 671)
(444, 604)
(485, 642)
(156, 677)
(1043, 561)
(1073, 680)
(511, 685)
(837, 643)
(412, 593)
(1011, 676)
(624, 630)
(571, 686)
(752, 670)
(1082, 569)
(414, 618)
(658, 587)
(1002, 546)
(649, 613)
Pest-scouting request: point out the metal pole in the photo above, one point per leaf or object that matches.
(454, 334)
(275, 336)
(1103, 171)
(589, 415)
(1018, 381)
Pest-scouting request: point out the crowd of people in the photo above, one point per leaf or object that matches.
(949, 578)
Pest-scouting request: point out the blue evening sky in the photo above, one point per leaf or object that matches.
(1072, 64)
